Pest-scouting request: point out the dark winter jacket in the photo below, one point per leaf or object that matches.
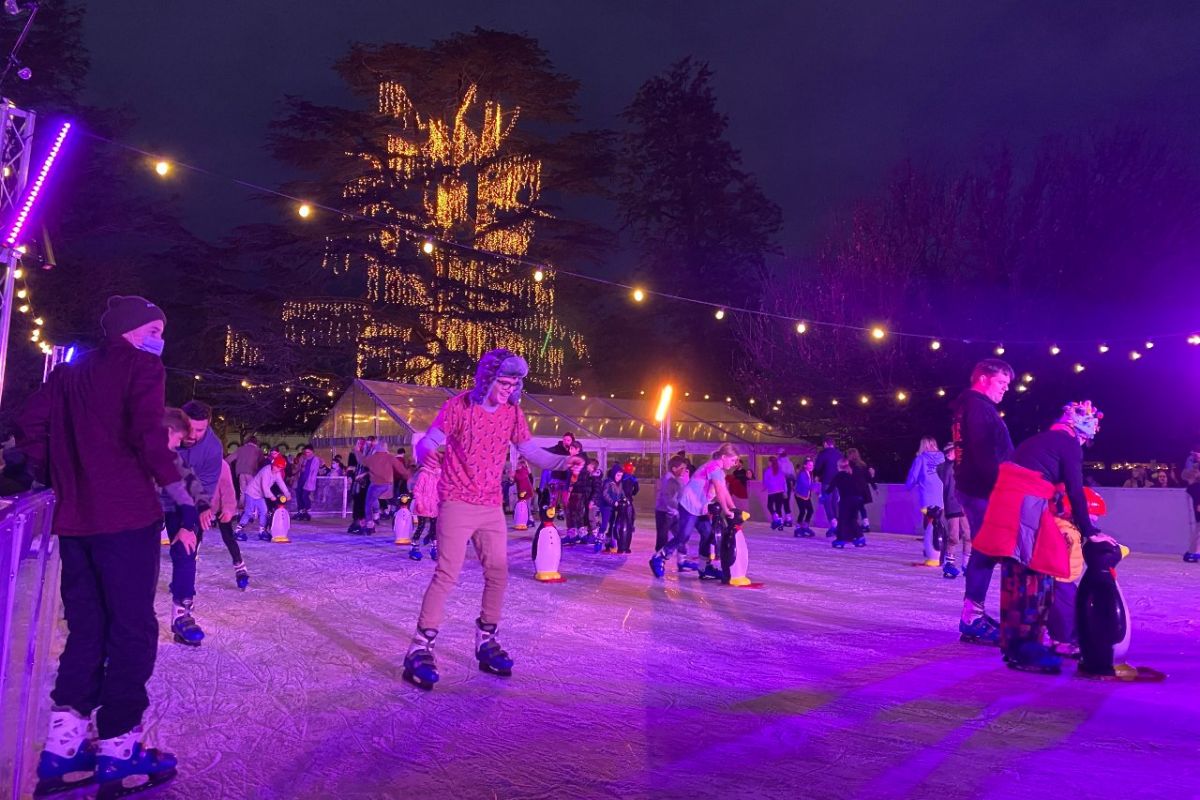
(950, 505)
(826, 467)
(981, 443)
(94, 432)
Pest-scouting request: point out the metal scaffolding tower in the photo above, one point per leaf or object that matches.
(16, 142)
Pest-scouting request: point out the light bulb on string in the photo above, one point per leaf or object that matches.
(705, 397)
(803, 401)
(1194, 339)
(935, 345)
(877, 333)
(833, 402)
(901, 396)
(162, 168)
(23, 308)
(1055, 349)
(1134, 355)
(728, 399)
(720, 313)
(801, 327)
(539, 276)
(1103, 348)
(1027, 377)
(22, 293)
(427, 247)
(245, 384)
(1149, 345)
(999, 350)
(39, 321)
(1022, 387)
(751, 401)
(305, 210)
(864, 399)
(941, 392)
(638, 295)
(1079, 368)
(18, 274)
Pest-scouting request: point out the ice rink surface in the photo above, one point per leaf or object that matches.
(842, 677)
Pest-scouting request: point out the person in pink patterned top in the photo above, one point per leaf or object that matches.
(473, 432)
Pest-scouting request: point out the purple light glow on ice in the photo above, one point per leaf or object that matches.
(36, 189)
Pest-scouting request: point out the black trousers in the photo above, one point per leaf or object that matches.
(108, 587)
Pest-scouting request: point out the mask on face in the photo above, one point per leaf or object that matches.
(152, 345)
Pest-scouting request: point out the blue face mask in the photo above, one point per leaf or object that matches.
(153, 345)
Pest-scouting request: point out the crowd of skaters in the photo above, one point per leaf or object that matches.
(121, 463)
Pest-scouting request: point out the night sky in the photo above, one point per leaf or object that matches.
(823, 98)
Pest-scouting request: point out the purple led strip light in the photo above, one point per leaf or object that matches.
(32, 197)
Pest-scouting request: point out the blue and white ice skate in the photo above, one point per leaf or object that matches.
(242, 576)
(124, 767)
(687, 566)
(491, 655)
(415, 553)
(419, 667)
(710, 573)
(184, 626)
(981, 630)
(69, 760)
(1034, 657)
(658, 565)
(838, 544)
(950, 571)
(1192, 558)
(860, 541)
(776, 522)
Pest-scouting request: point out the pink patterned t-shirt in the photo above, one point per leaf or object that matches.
(476, 447)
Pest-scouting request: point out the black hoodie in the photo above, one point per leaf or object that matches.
(981, 442)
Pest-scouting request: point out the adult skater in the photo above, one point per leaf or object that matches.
(826, 470)
(94, 432)
(473, 432)
(705, 486)
(927, 488)
(201, 453)
(1024, 529)
(981, 443)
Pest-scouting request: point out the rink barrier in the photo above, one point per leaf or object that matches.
(1146, 520)
(29, 604)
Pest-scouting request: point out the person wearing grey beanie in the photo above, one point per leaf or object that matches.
(94, 433)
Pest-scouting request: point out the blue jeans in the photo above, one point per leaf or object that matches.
(829, 502)
(978, 572)
(256, 508)
(303, 499)
(183, 563)
(374, 492)
(683, 531)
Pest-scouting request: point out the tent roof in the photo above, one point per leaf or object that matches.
(402, 412)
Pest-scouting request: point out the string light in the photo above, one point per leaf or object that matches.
(427, 247)
(1149, 345)
(999, 350)
(1194, 339)
(1134, 355)
(864, 399)
(23, 308)
(18, 274)
(39, 321)
(638, 295)
(1103, 348)
(305, 210)
(901, 396)
(705, 397)
(877, 333)
(1079, 368)
(803, 401)
(728, 399)
(539, 276)
(19, 224)
(22, 293)
(801, 327)
(1027, 377)
(162, 168)
(720, 313)
(1055, 349)
(941, 392)
(1022, 387)
(245, 384)
(833, 402)
(935, 345)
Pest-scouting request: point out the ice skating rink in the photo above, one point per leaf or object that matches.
(842, 678)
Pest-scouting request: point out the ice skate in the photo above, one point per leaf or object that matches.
(241, 575)
(183, 625)
(710, 573)
(657, 565)
(838, 544)
(415, 554)
(1191, 558)
(860, 541)
(949, 570)
(419, 667)
(433, 553)
(687, 566)
(264, 536)
(776, 522)
(491, 655)
(68, 761)
(124, 767)
(240, 534)
(1033, 657)
(981, 630)
(787, 521)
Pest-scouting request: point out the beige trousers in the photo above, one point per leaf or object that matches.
(487, 528)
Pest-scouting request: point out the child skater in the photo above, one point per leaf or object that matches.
(612, 507)
(184, 542)
(425, 504)
(666, 510)
(267, 482)
(706, 485)
(224, 506)
(848, 504)
(579, 495)
(775, 483)
(806, 482)
(523, 479)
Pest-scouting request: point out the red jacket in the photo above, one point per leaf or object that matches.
(1020, 523)
(94, 432)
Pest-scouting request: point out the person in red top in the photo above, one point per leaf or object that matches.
(94, 432)
(473, 432)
